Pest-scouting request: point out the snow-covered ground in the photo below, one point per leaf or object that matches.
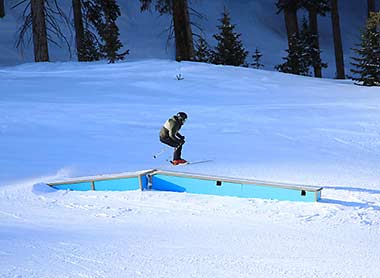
(60, 120)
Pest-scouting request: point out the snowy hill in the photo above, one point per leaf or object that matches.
(144, 33)
(69, 119)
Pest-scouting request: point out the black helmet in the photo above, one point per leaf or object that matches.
(182, 116)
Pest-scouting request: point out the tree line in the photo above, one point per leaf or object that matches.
(97, 35)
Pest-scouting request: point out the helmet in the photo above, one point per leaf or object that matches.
(182, 116)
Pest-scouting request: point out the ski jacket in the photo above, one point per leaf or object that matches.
(171, 130)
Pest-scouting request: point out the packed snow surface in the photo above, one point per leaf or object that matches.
(65, 120)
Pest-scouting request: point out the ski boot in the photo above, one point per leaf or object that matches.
(178, 161)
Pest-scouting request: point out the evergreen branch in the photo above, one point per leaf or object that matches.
(20, 3)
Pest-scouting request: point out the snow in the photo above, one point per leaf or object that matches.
(65, 120)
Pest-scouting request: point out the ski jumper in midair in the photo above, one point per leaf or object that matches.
(169, 135)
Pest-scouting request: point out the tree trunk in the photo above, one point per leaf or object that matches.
(313, 21)
(41, 52)
(2, 8)
(79, 30)
(337, 40)
(182, 31)
(291, 23)
(371, 6)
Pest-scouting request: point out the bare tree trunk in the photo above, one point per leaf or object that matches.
(291, 22)
(182, 31)
(371, 6)
(41, 52)
(2, 8)
(337, 40)
(79, 30)
(313, 21)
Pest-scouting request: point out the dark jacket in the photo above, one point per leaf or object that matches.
(171, 130)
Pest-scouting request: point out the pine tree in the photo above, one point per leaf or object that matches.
(289, 8)
(40, 38)
(103, 14)
(371, 5)
(230, 50)
(257, 60)
(202, 51)
(312, 54)
(45, 17)
(315, 8)
(368, 63)
(79, 29)
(183, 35)
(298, 60)
(2, 8)
(338, 46)
(90, 47)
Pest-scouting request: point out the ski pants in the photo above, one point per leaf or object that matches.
(178, 147)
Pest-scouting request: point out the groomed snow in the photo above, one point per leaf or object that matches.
(63, 120)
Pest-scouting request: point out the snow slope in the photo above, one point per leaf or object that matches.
(69, 119)
(145, 34)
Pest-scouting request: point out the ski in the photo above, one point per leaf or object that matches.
(191, 162)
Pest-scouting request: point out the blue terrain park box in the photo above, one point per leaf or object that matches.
(120, 182)
(193, 183)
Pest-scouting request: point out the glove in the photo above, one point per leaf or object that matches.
(181, 137)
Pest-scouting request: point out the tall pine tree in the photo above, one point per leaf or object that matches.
(315, 8)
(297, 61)
(202, 51)
(257, 60)
(312, 54)
(79, 29)
(229, 50)
(46, 19)
(289, 8)
(183, 35)
(371, 7)
(89, 49)
(103, 14)
(367, 64)
(303, 55)
(338, 45)
(2, 8)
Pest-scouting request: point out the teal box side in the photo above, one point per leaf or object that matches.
(193, 185)
(121, 184)
(82, 186)
(164, 182)
(277, 193)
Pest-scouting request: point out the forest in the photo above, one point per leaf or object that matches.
(97, 35)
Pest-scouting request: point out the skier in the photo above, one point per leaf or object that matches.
(169, 135)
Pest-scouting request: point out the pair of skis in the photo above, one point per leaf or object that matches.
(161, 152)
(191, 162)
